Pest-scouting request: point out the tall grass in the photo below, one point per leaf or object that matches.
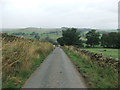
(20, 57)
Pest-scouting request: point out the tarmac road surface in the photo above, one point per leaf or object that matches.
(57, 71)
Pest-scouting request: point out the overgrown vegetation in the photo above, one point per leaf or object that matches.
(20, 58)
(95, 75)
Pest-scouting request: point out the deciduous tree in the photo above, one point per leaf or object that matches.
(92, 38)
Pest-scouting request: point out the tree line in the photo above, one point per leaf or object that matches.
(71, 36)
(111, 40)
(32, 34)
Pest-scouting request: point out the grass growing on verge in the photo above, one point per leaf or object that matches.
(96, 76)
(21, 77)
(20, 57)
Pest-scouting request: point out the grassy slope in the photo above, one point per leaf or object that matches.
(105, 51)
(29, 30)
(40, 31)
(96, 76)
(20, 58)
(46, 30)
(52, 36)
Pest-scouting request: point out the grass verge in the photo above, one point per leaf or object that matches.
(96, 76)
(20, 78)
(20, 57)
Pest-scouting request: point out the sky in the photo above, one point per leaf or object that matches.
(100, 14)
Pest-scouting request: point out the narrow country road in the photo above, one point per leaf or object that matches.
(56, 71)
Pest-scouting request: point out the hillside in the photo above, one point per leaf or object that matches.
(42, 30)
(32, 29)
(51, 33)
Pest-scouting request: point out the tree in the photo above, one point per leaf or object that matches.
(33, 33)
(60, 40)
(118, 44)
(111, 40)
(37, 37)
(70, 37)
(92, 38)
(48, 39)
(105, 40)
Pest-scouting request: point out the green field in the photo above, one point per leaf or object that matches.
(42, 32)
(29, 30)
(105, 51)
(52, 36)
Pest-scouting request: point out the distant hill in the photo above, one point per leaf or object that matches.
(48, 30)
(38, 30)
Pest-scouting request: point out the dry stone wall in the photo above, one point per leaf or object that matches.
(11, 38)
(98, 58)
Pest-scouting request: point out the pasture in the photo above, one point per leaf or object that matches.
(105, 51)
(52, 33)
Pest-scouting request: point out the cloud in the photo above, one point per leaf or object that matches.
(58, 13)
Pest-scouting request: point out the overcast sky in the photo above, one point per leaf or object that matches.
(102, 14)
